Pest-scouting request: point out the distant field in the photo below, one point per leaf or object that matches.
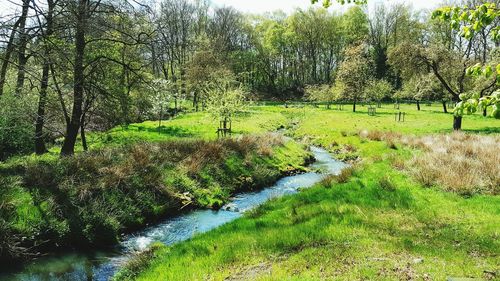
(331, 122)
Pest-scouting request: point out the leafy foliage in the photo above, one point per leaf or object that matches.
(471, 21)
(376, 90)
(224, 99)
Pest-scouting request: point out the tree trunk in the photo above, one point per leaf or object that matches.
(354, 106)
(40, 118)
(457, 123)
(418, 105)
(195, 101)
(175, 106)
(485, 112)
(73, 126)
(84, 138)
(22, 58)
(445, 110)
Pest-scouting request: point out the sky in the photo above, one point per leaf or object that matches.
(263, 6)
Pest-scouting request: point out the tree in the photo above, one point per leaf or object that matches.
(377, 90)
(355, 25)
(18, 32)
(419, 88)
(161, 96)
(201, 68)
(319, 93)
(225, 100)
(448, 67)
(354, 73)
(44, 82)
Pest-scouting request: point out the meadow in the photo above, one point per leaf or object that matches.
(377, 220)
(388, 217)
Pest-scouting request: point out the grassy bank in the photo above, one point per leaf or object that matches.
(89, 199)
(378, 225)
(381, 223)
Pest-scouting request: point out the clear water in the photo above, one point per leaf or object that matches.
(102, 265)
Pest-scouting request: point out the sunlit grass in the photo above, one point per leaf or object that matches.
(357, 230)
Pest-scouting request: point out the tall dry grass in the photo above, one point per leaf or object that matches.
(458, 162)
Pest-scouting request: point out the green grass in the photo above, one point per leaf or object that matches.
(379, 225)
(376, 226)
(358, 230)
(198, 125)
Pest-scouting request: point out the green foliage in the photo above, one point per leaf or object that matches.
(16, 126)
(224, 99)
(470, 103)
(474, 19)
(376, 90)
(354, 72)
(471, 21)
(319, 93)
(420, 87)
(328, 3)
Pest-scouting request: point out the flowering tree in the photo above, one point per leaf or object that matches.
(377, 90)
(162, 94)
(224, 100)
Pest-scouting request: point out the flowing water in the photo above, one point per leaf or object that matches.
(102, 265)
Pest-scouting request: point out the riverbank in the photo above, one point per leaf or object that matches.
(382, 221)
(88, 200)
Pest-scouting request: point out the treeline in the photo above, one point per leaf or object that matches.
(69, 66)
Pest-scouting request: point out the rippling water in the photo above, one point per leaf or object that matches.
(102, 265)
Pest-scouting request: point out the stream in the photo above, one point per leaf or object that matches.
(102, 265)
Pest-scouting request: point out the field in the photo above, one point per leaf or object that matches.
(380, 222)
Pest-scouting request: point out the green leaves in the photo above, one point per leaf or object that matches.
(470, 20)
(471, 103)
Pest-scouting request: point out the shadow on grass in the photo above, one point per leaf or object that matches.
(485, 130)
(175, 131)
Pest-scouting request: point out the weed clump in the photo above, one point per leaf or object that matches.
(342, 177)
(138, 262)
